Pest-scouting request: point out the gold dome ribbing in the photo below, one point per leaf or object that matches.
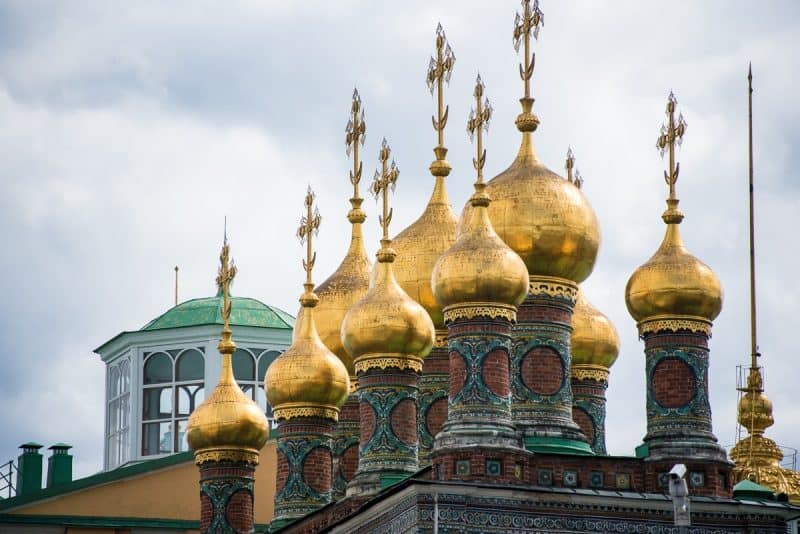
(387, 328)
(539, 214)
(479, 267)
(595, 341)
(673, 284)
(350, 281)
(228, 425)
(420, 245)
(307, 380)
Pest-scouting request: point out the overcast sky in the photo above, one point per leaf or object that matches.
(129, 129)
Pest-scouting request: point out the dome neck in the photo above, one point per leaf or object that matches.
(307, 328)
(526, 155)
(672, 239)
(356, 216)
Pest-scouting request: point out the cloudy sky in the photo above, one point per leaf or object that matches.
(128, 130)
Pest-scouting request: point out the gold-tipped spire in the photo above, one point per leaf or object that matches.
(228, 425)
(176, 285)
(673, 289)
(440, 69)
(479, 274)
(753, 330)
(385, 179)
(307, 380)
(526, 26)
(350, 281)
(420, 245)
(573, 174)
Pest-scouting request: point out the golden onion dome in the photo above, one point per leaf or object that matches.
(346, 286)
(228, 420)
(420, 245)
(479, 267)
(308, 379)
(594, 339)
(386, 320)
(543, 217)
(673, 282)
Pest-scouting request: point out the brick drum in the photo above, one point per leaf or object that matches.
(458, 373)
(673, 383)
(496, 373)
(584, 421)
(542, 371)
(281, 473)
(436, 416)
(349, 462)
(404, 421)
(240, 511)
(367, 422)
(206, 512)
(317, 469)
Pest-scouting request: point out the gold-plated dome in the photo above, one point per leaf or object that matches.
(595, 341)
(228, 425)
(350, 281)
(673, 285)
(308, 380)
(673, 282)
(479, 267)
(386, 323)
(420, 245)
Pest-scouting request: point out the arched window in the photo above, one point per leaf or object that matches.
(118, 413)
(173, 388)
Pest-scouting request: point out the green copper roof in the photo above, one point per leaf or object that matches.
(749, 489)
(207, 311)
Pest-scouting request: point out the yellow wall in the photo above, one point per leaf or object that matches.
(169, 493)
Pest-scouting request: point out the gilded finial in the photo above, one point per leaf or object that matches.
(525, 26)
(225, 275)
(573, 174)
(355, 134)
(671, 133)
(384, 180)
(176, 285)
(478, 123)
(440, 69)
(309, 227)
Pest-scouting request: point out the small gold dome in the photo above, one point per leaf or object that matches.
(386, 320)
(420, 245)
(228, 420)
(543, 217)
(594, 339)
(307, 379)
(673, 282)
(346, 286)
(479, 267)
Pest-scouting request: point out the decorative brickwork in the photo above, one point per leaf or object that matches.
(541, 402)
(345, 438)
(678, 407)
(304, 454)
(496, 372)
(226, 497)
(388, 446)
(434, 384)
(589, 410)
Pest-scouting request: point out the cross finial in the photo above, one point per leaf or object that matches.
(526, 25)
(355, 135)
(573, 175)
(225, 275)
(309, 227)
(478, 123)
(384, 180)
(440, 69)
(671, 133)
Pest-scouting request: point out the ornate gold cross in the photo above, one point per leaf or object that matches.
(309, 227)
(573, 174)
(440, 69)
(526, 24)
(478, 123)
(225, 275)
(382, 182)
(355, 134)
(671, 132)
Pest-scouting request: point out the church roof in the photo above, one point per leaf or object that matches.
(207, 311)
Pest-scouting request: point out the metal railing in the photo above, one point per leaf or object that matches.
(8, 473)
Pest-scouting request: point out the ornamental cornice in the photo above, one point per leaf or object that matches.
(553, 287)
(589, 372)
(386, 361)
(293, 412)
(474, 310)
(674, 323)
(217, 454)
